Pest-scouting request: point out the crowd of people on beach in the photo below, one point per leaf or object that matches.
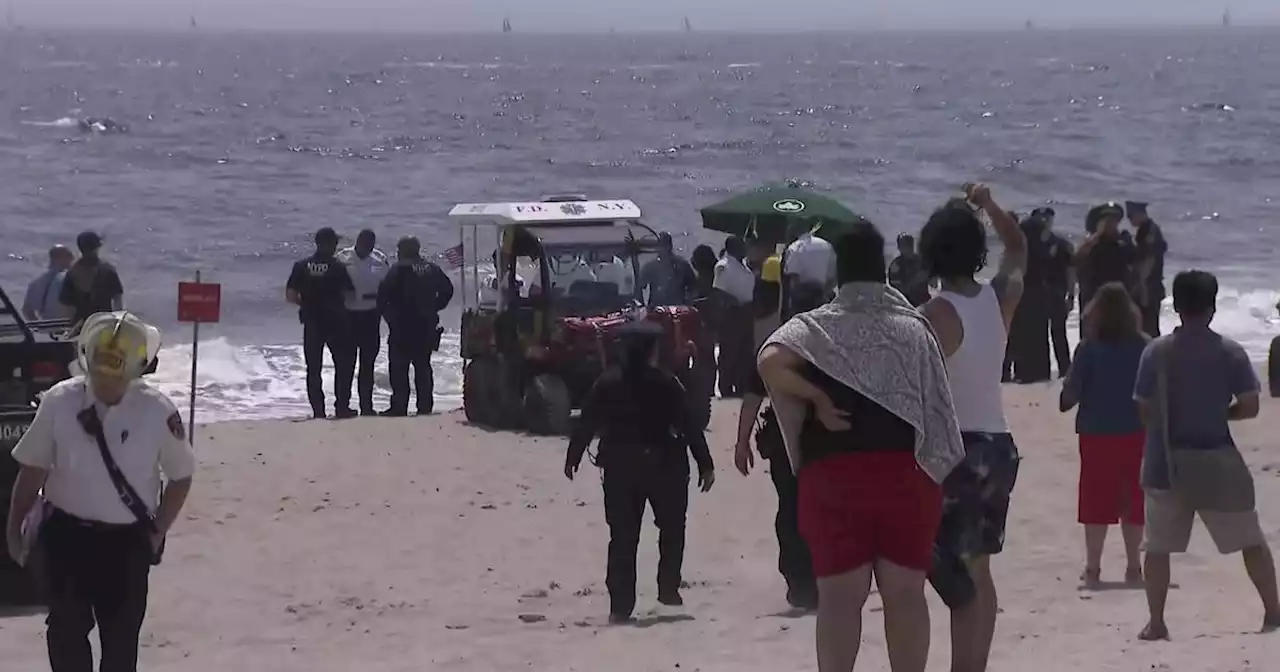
(872, 388)
(885, 431)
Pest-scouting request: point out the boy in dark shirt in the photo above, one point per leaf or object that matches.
(319, 285)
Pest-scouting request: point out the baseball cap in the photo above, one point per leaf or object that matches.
(89, 240)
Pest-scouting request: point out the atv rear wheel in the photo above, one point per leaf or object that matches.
(547, 406)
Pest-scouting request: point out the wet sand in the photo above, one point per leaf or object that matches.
(425, 544)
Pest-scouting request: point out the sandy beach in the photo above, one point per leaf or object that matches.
(426, 544)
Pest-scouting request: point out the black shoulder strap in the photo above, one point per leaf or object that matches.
(128, 495)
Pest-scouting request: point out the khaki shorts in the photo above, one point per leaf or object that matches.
(1169, 522)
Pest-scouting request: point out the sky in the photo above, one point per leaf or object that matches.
(640, 15)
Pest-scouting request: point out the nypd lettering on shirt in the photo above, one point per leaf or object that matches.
(317, 269)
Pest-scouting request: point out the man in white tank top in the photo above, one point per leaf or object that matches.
(972, 319)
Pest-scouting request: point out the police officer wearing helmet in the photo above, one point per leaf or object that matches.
(411, 297)
(641, 415)
(99, 446)
(320, 285)
(1106, 256)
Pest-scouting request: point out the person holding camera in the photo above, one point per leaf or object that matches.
(410, 298)
(111, 457)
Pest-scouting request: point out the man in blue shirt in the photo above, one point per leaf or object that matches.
(1209, 383)
(41, 301)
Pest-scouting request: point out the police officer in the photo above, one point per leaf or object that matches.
(411, 298)
(320, 285)
(794, 562)
(1151, 249)
(367, 265)
(1106, 256)
(641, 415)
(99, 446)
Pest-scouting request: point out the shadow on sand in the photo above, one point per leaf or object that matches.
(21, 611)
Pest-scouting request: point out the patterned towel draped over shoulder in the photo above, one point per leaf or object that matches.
(871, 339)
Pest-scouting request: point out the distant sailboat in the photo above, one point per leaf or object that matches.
(1226, 18)
(688, 27)
(1030, 25)
(506, 25)
(193, 23)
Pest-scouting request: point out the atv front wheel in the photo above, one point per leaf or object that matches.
(547, 406)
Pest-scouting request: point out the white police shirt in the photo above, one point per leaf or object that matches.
(366, 275)
(144, 432)
(733, 277)
(811, 259)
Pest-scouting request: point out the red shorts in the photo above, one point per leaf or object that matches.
(1110, 469)
(860, 507)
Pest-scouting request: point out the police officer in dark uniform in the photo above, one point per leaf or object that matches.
(1062, 288)
(641, 415)
(319, 285)
(794, 562)
(1149, 272)
(411, 297)
(1106, 256)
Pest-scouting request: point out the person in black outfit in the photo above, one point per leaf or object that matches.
(1106, 256)
(319, 286)
(411, 298)
(1062, 289)
(92, 285)
(1027, 351)
(794, 561)
(1149, 280)
(366, 265)
(907, 274)
(641, 415)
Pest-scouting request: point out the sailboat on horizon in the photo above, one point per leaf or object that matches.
(688, 27)
(1226, 18)
(193, 23)
(506, 25)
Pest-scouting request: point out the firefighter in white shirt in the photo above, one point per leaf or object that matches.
(98, 447)
(367, 265)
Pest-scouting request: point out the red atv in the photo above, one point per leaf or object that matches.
(533, 346)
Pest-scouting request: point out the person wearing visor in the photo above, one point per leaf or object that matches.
(105, 470)
(1106, 256)
(641, 415)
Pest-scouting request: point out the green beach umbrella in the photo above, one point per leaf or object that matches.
(774, 212)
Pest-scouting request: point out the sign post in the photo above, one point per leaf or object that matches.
(198, 302)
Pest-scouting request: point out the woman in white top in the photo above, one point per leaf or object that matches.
(971, 319)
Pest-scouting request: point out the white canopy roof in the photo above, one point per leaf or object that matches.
(548, 213)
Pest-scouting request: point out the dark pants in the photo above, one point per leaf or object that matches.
(1151, 317)
(1027, 351)
(1058, 333)
(794, 562)
(336, 336)
(366, 341)
(627, 488)
(737, 338)
(403, 353)
(97, 575)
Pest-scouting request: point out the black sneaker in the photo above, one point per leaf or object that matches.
(393, 413)
(368, 412)
(424, 411)
(344, 413)
(671, 598)
(621, 619)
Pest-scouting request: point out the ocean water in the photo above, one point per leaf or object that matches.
(240, 145)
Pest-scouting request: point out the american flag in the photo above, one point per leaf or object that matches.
(453, 256)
